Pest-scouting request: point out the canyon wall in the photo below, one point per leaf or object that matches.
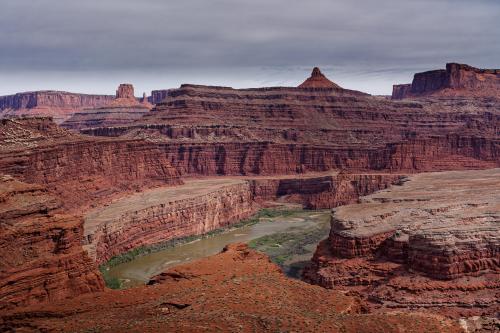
(122, 110)
(167, 213)
(456, 80)
(36, 150)
(30, 100)
(436, 233)
(41, 257)
(93, 120)
(323, 191)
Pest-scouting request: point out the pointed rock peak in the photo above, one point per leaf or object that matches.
(316, 72)
(318, 80)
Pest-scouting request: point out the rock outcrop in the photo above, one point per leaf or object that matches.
(238, 290)
(456, 80)
(125, 91)
(41, 257)
(318, 80)
(433, 233)
(57, 104)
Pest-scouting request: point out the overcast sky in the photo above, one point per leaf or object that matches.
(93, 45)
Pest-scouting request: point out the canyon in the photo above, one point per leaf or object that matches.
(127, 174)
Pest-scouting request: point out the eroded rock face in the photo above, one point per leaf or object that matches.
(159, 215)
(456, 80)
(238, 290)
(94, 119)
(38, 151)
(57, 104)
(323, 191)
(41, 257)
(433, 233)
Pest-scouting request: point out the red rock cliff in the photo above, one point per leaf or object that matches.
(456, 80)
(57, 104)
(41, 257)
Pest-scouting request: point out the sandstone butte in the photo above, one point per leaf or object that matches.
(319, 146)
(61, 105)
(124, 109)
(456, 80)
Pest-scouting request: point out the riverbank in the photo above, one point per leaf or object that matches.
(301, 227)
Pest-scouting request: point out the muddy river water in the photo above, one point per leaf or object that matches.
(289, 239)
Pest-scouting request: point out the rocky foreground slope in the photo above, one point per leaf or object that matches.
(238, 290)
(433, 242)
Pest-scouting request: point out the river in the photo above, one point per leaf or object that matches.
(289, 238)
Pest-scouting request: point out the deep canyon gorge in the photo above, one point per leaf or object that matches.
(412, 181)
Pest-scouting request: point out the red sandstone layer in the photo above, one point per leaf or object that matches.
(318, 80)
(41, 257)
(57, 104)
(38, 151)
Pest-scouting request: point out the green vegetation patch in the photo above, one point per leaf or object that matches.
(286, 248)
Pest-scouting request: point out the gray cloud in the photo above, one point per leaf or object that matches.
(239, 42)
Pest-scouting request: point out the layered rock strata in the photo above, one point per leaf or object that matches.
(57, 104)
(288, 130)
(202, 205)
(239, 290)
(38, 151)
(41, 257)
(158, 96)
(437, 234)
(455, 80)
(93, 119)
(158, 215)
(320, 192)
